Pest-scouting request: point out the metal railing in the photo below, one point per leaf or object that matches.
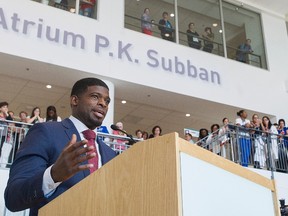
(249, 147)
(12, 134)
(118, 143)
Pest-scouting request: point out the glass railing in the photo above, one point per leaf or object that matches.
(134, 23)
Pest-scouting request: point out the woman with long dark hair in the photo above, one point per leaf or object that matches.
(35, 116)
(51, 114)
(259, 145)
(272, 144)
(203, 135)
(213, 139)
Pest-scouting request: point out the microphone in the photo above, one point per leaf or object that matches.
(114, 127)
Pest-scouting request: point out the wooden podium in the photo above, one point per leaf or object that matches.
(167, 176)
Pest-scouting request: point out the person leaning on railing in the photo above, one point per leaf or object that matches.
(203, 135)
(282, 146)
(244, 137)
(3, 124)
(166, 27)
(35, 116)
(193, 36)
(243, 50)
(283, 130)
(146, 25)
(213, 140)
(121, 144)
(224, 139)
(208, 36)
(271, 133)
(259, 145)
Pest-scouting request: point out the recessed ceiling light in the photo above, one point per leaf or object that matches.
(72, 10)
(172, 15)
(123, 102)
(29, 107)
(220, 31)
(214, 24)
(187, 115)
(48, 86)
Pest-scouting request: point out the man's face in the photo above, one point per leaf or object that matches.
(91, 107)
(23, 116)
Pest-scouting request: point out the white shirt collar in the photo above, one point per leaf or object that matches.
(80, 126)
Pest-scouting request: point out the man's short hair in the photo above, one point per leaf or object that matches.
(81, 85)
(23, 112)
(4, 103)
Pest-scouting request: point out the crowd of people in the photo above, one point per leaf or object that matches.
(51, 115)
(259, 142)
(251, 143)
(10, 134)
(139, 134)
(257, 138)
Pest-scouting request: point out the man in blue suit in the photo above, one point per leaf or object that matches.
(54, 156)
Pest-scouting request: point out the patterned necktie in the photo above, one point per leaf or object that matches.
(90, 136)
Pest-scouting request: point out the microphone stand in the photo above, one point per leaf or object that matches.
(131, 141)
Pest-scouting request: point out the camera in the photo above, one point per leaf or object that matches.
(283, 208)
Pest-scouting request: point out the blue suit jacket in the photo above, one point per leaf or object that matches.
(39, 150)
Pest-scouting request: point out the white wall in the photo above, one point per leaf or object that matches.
(241, 85)
(281, 180)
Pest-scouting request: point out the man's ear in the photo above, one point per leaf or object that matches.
(74, 100)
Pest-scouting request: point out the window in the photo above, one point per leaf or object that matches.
(86, 8)
(200, 25)
(144, 16)
(243, 32)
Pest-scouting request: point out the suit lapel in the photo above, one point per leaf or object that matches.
(70, 129)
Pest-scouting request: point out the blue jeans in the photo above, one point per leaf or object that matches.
(245, 149)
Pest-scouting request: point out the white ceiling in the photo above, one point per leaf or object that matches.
(275, 6)
(23, 87)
